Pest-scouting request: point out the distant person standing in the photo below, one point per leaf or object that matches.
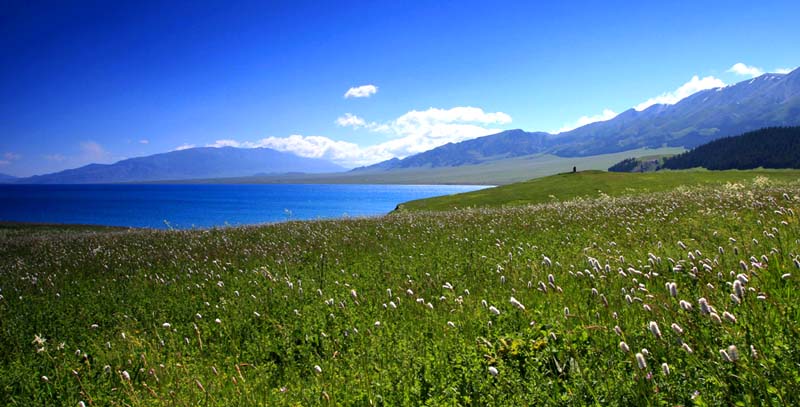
(574, 169)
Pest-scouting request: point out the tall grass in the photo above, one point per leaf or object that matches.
(415, 308)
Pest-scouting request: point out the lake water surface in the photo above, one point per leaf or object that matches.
(187, 206)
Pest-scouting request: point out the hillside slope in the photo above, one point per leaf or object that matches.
(776, 147)
(589, 184)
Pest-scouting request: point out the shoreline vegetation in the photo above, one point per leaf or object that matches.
(680, 296)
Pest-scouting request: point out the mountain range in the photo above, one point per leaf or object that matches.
(192, 163)
(5, 179)
(768, 100)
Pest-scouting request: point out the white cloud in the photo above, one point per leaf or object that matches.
(363, 91)
(745, 70)
(92, 152)
(144, 141)
(184, 146)
(220, 143)
(696, 84)
(607, 114)
(350, 120)
(55, 157)
(8, 157)
(411, 133)
(784, 70)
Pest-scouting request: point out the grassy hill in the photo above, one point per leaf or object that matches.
(587, 184)
(587, 302)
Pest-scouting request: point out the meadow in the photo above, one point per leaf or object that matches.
(685, 296)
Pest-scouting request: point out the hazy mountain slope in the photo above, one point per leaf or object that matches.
(768, 100)
(507, 144)
(203, 162)
(4, 178)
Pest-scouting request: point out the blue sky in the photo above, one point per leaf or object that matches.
(98, 81)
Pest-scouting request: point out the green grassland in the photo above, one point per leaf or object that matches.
(557, 303)
(589, 184)
(496, 172)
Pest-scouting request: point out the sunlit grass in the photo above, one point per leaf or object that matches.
(416, 308)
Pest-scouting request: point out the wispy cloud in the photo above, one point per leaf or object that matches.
(696, 84)
(144, 141)
(8, 158)
(55, 157)
(411, 133)
(746, 70)
(607, 114)
(350, 120)
(184, 146)
(784, 70)
(363, 91)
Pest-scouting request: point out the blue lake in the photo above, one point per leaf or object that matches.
(188, 206)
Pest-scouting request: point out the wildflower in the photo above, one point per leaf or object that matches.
(665, 369)
(516, 303)
(715, 317)
(725, 355)
(218, 321)
(624, 347)
(654, 329)
(494, 310)
(618, 330)
(392, 304)
(686, 305)
(687, 348)
(493, 371)
(126, 375)
(673, 289)
(641, 361)
(737, 288)
(677, 328)
(704, 308)
(728, 316)
(354, 294)
(786, 276)
(753, 353)
(45, 379)
(166, 325)
(542, 286)
(451, 324)
(38, 340)
(566, 312)
(317, 369)
(377, 323)
(735, 299)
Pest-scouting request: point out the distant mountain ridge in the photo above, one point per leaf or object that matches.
(193, 163)
(5, 178)
(768, 100)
